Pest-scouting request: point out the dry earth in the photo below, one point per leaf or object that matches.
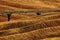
(30, 26)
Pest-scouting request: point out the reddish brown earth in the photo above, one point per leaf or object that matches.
(30, 26)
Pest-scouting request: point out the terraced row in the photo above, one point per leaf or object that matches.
(29, 28)
(16, 24)
(35, 35)
(39, 25)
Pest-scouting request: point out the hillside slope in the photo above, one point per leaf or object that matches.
(30, 26)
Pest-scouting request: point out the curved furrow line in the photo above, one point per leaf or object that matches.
(4, 7)
(53, 13)
(52, 1)
(17, 24)
(36, 34)
(13, 17)
(52, 38)
(51, 17)
(16, 5)
(46, 24)
(28, 6)
(16, 16)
